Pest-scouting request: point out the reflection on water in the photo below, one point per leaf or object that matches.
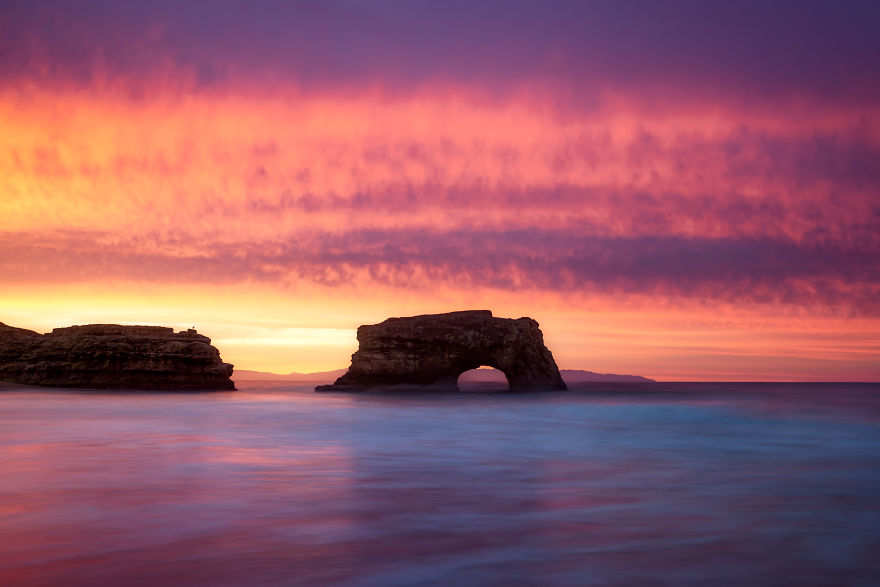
(277, 485)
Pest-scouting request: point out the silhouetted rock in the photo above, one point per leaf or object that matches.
(435, 349)
(111, 356)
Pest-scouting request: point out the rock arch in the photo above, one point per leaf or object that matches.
(481, 379)
(434, 349)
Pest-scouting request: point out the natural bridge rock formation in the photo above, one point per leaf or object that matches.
(435, 349)
(109, 356)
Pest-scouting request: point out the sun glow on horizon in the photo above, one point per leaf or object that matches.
(282, 332)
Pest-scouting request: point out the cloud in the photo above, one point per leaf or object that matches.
(736, 270)
(756, 50)
(225, 169)
(416, 144)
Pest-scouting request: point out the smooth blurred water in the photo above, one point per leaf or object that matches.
(721, 484)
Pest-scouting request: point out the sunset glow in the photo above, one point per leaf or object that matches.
(697, 219)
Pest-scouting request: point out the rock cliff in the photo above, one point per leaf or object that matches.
(111, 356)
(435, 349)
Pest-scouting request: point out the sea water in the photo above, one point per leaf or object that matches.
(666, 484)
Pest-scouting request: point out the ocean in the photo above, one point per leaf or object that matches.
(644, 484)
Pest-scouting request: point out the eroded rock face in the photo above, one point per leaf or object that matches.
(435, 349)
(109, 356)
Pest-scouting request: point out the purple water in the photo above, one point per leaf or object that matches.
(723, 484)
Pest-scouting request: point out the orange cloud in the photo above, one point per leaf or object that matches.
(269, 167)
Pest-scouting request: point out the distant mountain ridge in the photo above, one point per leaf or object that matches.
(475, 376)
(568, 375)
(245, 375)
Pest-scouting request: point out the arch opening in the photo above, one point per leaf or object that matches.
(483, 379)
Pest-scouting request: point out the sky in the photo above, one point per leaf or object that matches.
(679, 190)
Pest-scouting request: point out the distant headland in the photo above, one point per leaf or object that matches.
(110, 356)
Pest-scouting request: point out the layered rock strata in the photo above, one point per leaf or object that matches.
(109, 356)
(434, 349)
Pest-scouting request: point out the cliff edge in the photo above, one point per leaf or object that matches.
(110, 356)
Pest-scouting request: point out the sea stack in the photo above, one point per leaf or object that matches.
(110, 356)
(434, 349)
